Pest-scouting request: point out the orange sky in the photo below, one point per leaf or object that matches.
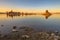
(34, 6)
(5, 9)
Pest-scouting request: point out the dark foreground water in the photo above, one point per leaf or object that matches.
(38, 22)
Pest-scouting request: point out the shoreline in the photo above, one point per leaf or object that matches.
(27, 33)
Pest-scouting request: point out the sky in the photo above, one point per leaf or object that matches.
(30, 5)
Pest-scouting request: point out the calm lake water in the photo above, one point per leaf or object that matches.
(38, 22)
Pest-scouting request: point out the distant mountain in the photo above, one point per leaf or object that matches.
(2, 13)
(57, 13)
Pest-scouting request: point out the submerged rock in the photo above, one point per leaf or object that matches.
(2, 25)
(14, 30)
(25, 36)
(14, 27)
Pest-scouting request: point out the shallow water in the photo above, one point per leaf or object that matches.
(38, 22)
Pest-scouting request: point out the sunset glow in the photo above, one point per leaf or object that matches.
(30, 6)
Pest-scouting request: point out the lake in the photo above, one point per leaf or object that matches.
(38, 22)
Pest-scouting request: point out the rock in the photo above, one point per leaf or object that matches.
(14, 27)
(2, 25)
(25, 36)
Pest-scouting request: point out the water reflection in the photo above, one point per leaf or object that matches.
(36, 21)
(12, 14)
(47, 15)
